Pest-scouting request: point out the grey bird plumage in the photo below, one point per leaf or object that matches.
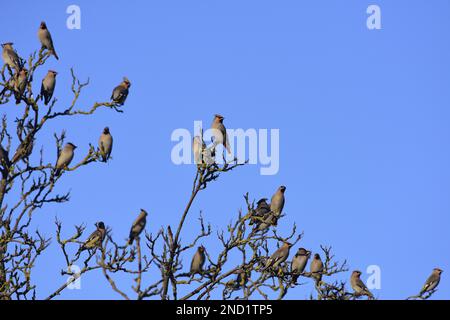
(46, 39)
(10, 56)
(65, 157)
(24, 149)
(120, 93)
(138, 226)
(316, 268)
(95, 240)
(198, 260)
(358, 285)
(20, 84)
(260, 213)
(299, 262)
(432, 281)
(48, 86)
(105, 144)
(219, 133)
(278, 257)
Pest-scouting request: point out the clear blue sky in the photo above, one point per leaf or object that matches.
(363, 118)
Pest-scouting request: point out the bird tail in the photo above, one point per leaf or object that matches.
(54, 53)
(17, 96)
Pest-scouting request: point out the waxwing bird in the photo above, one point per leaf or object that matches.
(120, 93)
(46, 39)
(299, 262)
(65, 157)
(432, 281)
(278, 256)
(261, 211)
(4, 158)
(138, 226)
(219, 133)
(277, 202)
(316, 268)
(105, 144)
(268, 221)
(198, 261)
(48, 86)
(95, 240)
(10, 56)
(24, 150)
(198, 145)
(358, 285)
(20, 84)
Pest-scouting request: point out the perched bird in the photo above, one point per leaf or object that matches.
(278, 256)
(46, 39)
(105, 144)
(20, 84)
(268, 221)
(242, 278)
(48, 86)
(432, 281)
(277, 202)
(316, 268)
(65, 157)
(4, 158)
(96, 238)
(261, 211)
(120, 93)
(138, 226)
(10, 56)
(198, 261)
(219, 133)
(24, 149)
(198, 145)
(358, 285)
(299, 262)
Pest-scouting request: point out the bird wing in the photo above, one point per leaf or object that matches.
(93, 239)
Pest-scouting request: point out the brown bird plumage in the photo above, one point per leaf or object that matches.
(316, 268)
(358, 285)
(278, 257)
(432, 281)
(260, 213)
(24, 150)
(120, 93)
(198, 260)
(277, 203)
(105, 144)
(20, 84)
(46, 39)
(137, 226)
(95, 240)
(48, 86)
(299, 262)
(219, 133)
(10, 56)
(65, 157)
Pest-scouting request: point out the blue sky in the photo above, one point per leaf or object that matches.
(363, 118)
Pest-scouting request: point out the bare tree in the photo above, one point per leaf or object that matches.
(28, 183)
